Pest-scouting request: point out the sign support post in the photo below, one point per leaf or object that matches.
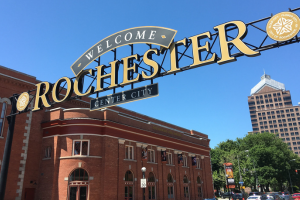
(7, 150)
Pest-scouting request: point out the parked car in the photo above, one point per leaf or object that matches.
(254, 193)
(287, 197)
(238, 196)
(296, 196)
(227, 194)
(271, 196)
(254, 197)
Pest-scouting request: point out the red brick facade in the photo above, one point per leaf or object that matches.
(44, 164)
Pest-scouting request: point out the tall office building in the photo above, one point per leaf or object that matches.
(271, 110)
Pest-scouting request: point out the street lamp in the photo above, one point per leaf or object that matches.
(290, 176)
(256, 180)
(143, 171)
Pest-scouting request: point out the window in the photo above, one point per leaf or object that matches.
(79, 175)
(296, 133)
(185, 164)
(81, 147)
(293, 138)
(151, 188)
(292, 134)
(170, 187)
(295, 148)
(288, 139)
(197, 163)
(129, 194)
(151, 155)
(129, 152)
(47, 152)
(169, 158)
(282, 134)
(185, 179)
(2, 118)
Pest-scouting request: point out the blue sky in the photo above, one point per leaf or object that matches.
(44, 38)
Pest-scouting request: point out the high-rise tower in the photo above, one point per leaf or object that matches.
(271, 110)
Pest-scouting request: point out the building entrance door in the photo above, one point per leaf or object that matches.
(186, 193)
(78, 193)
(128, 192)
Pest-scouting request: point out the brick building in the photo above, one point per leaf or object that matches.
(69, 152)
(271, 110)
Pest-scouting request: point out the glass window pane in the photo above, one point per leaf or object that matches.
(81, 173)
(76, 175)
(82, 193)
(85, 145)
(130, 191)
(73, 193)
(130, 152)
(153, 192)
(126, 191)
(77, 148)
(126, 152)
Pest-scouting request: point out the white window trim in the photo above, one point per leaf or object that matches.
(47, 151)
(150, 156)
(167, 154)
(88, 152)
(128, 152)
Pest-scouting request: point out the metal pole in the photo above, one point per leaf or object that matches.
(239, 168)
(291, 182)
(6, 155)
(144, 195)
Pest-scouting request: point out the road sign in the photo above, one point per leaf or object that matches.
(241, 183)
(143, 183)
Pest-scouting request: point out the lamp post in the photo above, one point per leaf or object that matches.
(143, 171)
(256, 180)
(290, 176)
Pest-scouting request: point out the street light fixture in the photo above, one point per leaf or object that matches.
(143, 171)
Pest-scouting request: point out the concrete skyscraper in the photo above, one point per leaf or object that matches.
(271, 110)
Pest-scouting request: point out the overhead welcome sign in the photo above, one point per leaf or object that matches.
(145, 34)
(281, 27)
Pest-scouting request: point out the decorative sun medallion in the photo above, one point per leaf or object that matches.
(283, 26)
(23, 101)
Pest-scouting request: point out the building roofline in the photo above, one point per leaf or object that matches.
(1, 66)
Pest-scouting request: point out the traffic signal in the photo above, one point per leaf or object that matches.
(296, 171)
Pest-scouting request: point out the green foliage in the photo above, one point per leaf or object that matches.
(262, 155)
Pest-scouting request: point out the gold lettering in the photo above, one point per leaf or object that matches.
(237, 42)
(78, 83)
(55, 90)
(151, 63)
(197, 49)
(173, 55)
(127, 69)
(113, 75)
(42, 95)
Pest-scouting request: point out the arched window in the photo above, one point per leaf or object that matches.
(78, 184)
(186, 190)
(79, 175)
(170, 178)
(151, 177)
(198, 180)
(2, 117)
(185, 179)
(151, 186)
(128, 176)
(170, 184)
(199, 194)
(129, 185)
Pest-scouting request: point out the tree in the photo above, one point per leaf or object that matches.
(263, 156)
